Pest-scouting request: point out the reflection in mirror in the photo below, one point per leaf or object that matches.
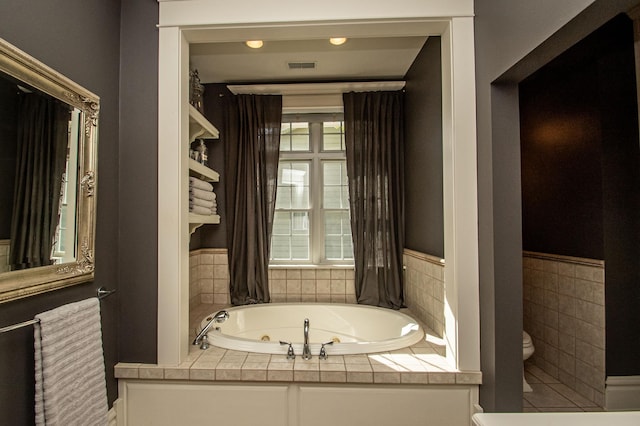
(39, 151)
(48, 131)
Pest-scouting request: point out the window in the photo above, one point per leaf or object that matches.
(64, 243)
(311, 221)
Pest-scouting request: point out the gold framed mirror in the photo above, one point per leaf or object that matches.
(50, 128)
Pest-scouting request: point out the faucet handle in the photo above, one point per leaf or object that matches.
(204, 343)
(290, 353)
(323, 352)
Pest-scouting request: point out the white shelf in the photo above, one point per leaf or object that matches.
(200, 127)
(197, 220)
(202, 172)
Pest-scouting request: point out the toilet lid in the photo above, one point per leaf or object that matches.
(526, 339)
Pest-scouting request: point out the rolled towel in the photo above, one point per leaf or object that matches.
(201, 210)
(202, 203)
(199, 193)
(200, 184)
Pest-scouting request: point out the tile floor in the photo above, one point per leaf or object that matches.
(549, 395)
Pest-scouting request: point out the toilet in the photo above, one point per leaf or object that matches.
(527, 351)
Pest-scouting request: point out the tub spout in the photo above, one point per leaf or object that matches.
(219, 317)
(306, 352)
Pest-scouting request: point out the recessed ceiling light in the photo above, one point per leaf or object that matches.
(254, 44)
(337, 41)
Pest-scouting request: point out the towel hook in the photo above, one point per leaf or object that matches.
(103, 292)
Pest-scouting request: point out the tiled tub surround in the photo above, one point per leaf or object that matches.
(564, 314)
(208, 277)
(423, 281)
(209, 281)
(424, 288)
(417, 381)
(420, 374)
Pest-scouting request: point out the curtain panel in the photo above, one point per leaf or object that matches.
(40, 166)
(374, 130)
(252, 147)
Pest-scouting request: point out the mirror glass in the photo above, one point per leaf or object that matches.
(48, 131)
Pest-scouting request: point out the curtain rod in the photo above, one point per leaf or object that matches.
(290, 89)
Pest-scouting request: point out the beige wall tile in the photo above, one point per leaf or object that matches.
(323, 274)
(567, 320)
(323, 286)
(279, 274)
(278, 286)
(308, 274)
(338, 286)
(221, 271)
(294, 286)
(294, 274)
(338, 274)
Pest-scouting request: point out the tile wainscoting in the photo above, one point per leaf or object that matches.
(209, 281)
(208, 277)
(424, 288)
(424, 284)
(565, 315)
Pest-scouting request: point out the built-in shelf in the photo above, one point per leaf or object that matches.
(197, 220)
(202, 172)
(201, 128)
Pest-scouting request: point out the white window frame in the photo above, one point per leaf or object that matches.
(315, 156)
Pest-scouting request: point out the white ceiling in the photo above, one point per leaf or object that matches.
(358, 59)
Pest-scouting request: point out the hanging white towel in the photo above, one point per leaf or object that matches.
(199, 193)
(200, 184)
(69, 363)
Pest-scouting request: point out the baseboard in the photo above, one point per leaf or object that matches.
(622, 393)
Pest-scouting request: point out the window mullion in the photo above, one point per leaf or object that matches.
(317, 241)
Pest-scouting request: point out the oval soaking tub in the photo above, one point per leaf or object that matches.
(354, 329)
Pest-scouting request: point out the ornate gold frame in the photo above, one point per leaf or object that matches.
(28, 282)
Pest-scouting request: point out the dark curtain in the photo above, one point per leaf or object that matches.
(252, 147)
(40, 165)
(374, 142)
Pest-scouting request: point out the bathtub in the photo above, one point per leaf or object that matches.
(353, 329)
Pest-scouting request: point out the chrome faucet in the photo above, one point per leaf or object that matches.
(306, 352)
(219, 317)
(323, 351)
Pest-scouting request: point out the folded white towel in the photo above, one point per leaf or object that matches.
(200, 184)
(202, 203)
(199, 193)
(69, 366)
(201, 210)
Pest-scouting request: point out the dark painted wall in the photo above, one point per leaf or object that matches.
(214, 236)
(138, 182)
(8, 148)
(561, 162)
(424, 215)
(80, 39)
(581, 173)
